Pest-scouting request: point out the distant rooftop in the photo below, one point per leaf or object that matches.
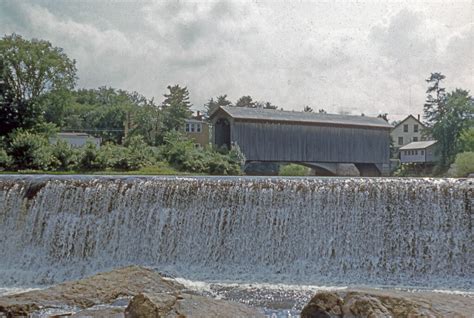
(72, 134)
(302, 117)
(418, 145)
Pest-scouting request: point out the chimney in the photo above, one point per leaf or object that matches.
(418, 117)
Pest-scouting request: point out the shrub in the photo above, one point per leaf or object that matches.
(138, 154)
(89, 158)
(31, 151)
(5, 159)
(181, 153)
(294, 170)
(65, 155)
(463, 164)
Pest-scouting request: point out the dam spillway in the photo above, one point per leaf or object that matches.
(339, 231)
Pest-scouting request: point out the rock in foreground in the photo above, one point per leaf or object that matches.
(378, 304)
(185, 305)
(105, 288)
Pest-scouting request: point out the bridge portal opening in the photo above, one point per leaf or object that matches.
(222, 133)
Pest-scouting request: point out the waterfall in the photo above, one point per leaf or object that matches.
(371, 231)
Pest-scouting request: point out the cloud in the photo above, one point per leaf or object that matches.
(353, 57)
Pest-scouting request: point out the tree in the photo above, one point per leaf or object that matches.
(384, 116)
(466, 140)
(28, 70)
(245, 101)
(265, 105)
(457, 112)
(434, 107)
(212, 104)
(307, 109)
(176, 108)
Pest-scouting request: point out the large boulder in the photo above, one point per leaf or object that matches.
(357, 305)
(323, 305)
(102, 288)
(150, 294)
(387, 303)
(180, 305)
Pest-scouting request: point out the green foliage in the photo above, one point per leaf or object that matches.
(66, 156)
(90, 158)
(30, 151)
(466, 140)
(176, 108)
(146, 121)
(5, 159)
(464, 164)
(181, 153)
(447, 116)
(245, 101)
(138, 154)
(45, 129)
(212, 104)
(29, 69)
(434, 107)
(294, 170)
(55, 106)
(448, 127)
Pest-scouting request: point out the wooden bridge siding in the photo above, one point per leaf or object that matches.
(262, 141)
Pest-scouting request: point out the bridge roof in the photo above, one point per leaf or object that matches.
(260, 114)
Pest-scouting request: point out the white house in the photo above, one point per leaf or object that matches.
(76, 140)
(408, 130)
(419, 152)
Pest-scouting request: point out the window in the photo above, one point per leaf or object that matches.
(400, 140)
(192, 127)
(187, 128)
(422, 152)
(415, 138)
(416, 152)
(198, 128)
(415, 128)
(405, 128)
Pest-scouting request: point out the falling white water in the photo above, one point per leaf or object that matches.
(337, 231)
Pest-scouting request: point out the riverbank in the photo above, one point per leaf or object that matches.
(138, 292)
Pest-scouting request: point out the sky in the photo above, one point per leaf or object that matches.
(355, 57)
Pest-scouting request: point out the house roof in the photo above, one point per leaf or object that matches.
(193, 120)
(418, 145)
(405, 119)
(260, 114)
(71, 134)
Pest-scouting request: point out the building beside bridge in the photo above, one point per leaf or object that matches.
(419, 152)
(320, 141)
(76, 140)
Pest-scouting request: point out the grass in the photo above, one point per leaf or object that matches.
(159, 169)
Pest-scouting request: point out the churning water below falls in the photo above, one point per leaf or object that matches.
(309, 231)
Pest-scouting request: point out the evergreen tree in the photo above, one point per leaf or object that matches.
(245, 101)
(434, 107)
(212, 104)
(176, 108)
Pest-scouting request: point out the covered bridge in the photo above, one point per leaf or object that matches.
(314, 139)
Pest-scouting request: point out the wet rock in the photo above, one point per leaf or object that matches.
(185, 305)
(100, 313)
(381, 304)
(102, 288)
(322, 305)
(356, 305)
